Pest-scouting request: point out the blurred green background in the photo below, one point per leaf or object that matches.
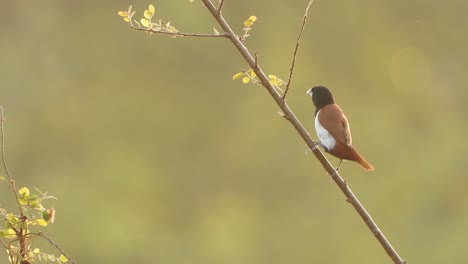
(157, 156)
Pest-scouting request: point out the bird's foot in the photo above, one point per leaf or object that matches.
(338, 168)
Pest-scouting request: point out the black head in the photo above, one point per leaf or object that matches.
(321, 96)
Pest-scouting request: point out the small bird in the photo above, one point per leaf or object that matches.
(332, 127)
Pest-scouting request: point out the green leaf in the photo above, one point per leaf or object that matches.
(246, 80)
(237, 75)
(12, 218)
(28, 213)
(45, 215)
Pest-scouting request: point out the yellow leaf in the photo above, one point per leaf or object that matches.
(36, 250)
(151, 9)
(9, 233)
(122, 13)
(145, 22)
(63, 258)
(126, 19)
(237, 75)
(24, 191)
(41, 222)
(253, 18)
(245, 79)
(247, 23)
(251, 73)
(148, 14)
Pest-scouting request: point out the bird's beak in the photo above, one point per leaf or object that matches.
(309, 92)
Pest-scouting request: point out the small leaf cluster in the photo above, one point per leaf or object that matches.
(247, 26)
(247, 76)
(250, 76)
(19, 231)
(147, 22)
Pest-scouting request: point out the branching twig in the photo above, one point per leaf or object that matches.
(56, 246)
(221, 3)
(3, 244)
(2, 141)
(181, 34)
(20, 233)
(291, 70)
(304, 135)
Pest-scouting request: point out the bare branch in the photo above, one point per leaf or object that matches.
(2, 140)
(291, 70)
(181, 34)
(289, 115)
(56, 246)
(221, 3)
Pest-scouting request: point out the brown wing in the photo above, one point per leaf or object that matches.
(332, 118)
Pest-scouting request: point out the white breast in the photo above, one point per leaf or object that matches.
(326, 140)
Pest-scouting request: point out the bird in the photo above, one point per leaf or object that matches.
(332, 128)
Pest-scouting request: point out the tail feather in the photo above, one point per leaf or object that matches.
(363, 162)
(366, 165)
(349, 153)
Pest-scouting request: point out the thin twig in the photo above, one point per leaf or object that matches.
(181, 34)
(56, 246)
(221, 3)
(291, 70)
(3, 244)
(304, 135)
(2, 140)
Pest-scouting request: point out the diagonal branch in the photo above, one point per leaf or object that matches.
(291, 70)
(56, 246)
(181, 34)
(289, 115)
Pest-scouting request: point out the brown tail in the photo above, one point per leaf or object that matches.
(363, 162)
(348, 152)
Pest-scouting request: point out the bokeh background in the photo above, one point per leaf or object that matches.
(157, 156)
